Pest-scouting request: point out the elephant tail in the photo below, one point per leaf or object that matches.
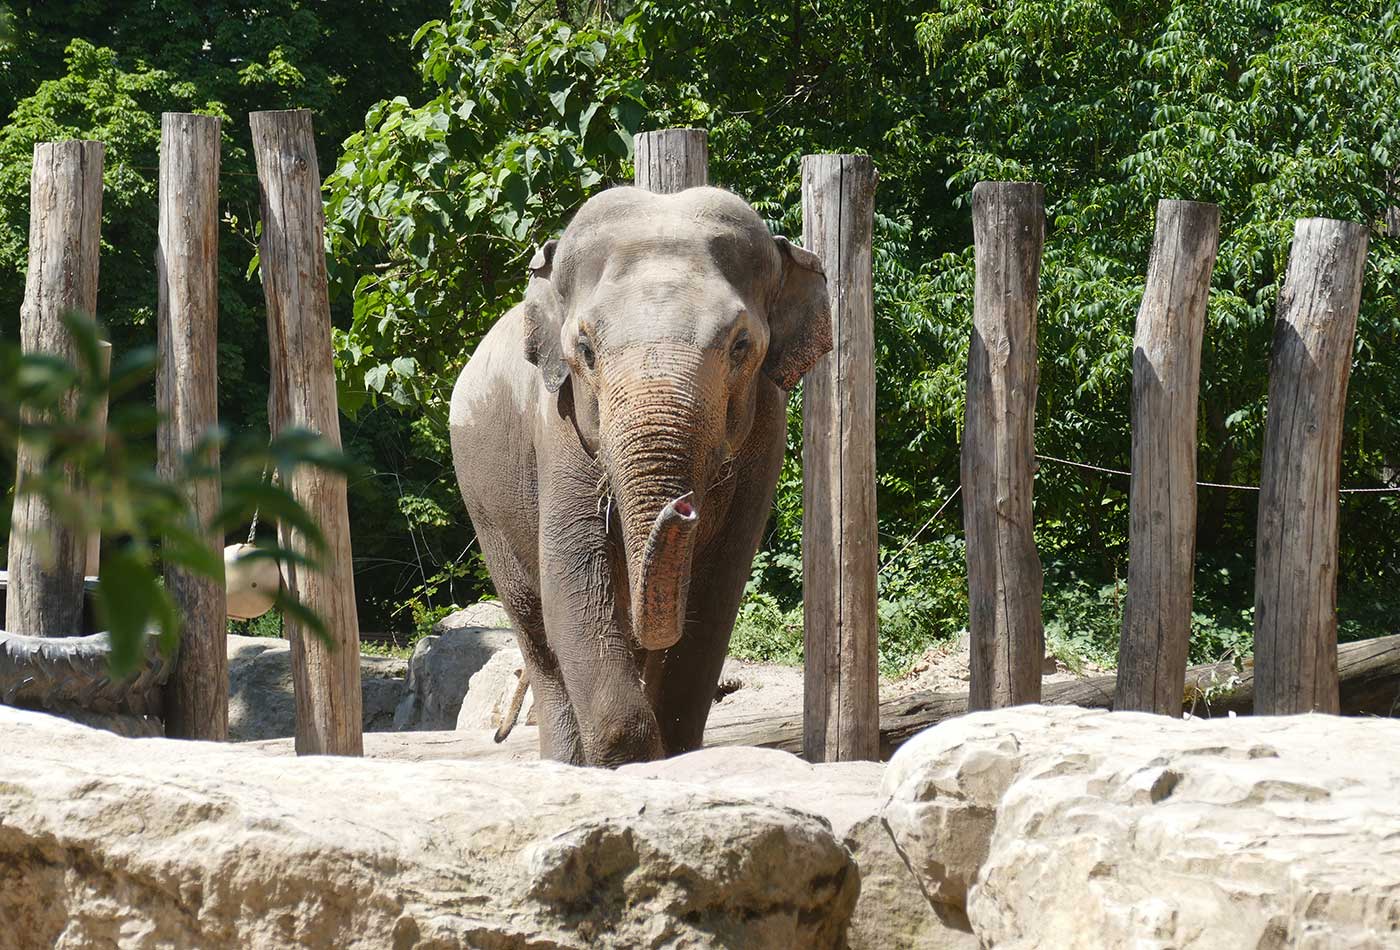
(517, 700)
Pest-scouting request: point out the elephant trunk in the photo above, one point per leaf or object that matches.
(658, 437)
(658, 599)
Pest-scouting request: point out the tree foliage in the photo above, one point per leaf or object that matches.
(106, 69)
(471, 137)
(433, 208)
(100, 477)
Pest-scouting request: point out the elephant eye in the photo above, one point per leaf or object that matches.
(585, 350)
(740, 348)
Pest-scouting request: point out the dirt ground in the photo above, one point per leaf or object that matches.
(944, 669)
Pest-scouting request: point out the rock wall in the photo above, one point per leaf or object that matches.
(1033, 827)
(891, 912)
(1068, 828)
(155, 843)
(260, 700)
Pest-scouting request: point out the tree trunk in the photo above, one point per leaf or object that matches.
(1003, 570)
(840, 542)
(1162, 525)
(325, 673)
(1295, 579)
(46, 558)
(187, 326)
(92, 556)
(671, 160)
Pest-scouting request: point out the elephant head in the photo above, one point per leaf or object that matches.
(663, 315)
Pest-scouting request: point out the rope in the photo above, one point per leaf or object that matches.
(253, 528)
(948, 501)
(1119, 471)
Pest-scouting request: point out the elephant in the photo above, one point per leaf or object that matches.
(617, 438)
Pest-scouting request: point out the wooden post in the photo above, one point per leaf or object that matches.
(92, 559)
(326, 676)
(668, 161)
(671, 160)
(46, 558)
(187, 390)
(840, 542)
(998, 453)
(1162, 524)
(1295, 581)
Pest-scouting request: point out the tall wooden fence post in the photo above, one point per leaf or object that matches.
(998, 453)
(671, 160)
(1156, 633)
(668, 160)
(1295, 592)
(326, 675)
(187, 328)
(47, 559)
(840, 541)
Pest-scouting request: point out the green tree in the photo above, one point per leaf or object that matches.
(106, 69)
(1273, 111)
(432, 214)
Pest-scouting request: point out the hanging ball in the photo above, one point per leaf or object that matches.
(251, 583)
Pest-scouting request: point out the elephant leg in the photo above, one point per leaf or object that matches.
(559, 732)
(586, 629)
(690, 670)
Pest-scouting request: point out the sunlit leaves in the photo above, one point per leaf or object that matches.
(97, 480)
(434, 207)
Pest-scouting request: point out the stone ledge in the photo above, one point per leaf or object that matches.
(154, 842)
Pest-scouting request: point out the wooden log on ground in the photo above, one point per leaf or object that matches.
(998, 454)
(840, 543)
(187, 325)
(47, 559)
(1295, 580)
(326, 675)
(671, 160)
(1370, 686)
(1162, 521)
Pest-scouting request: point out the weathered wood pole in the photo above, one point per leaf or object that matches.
(840, 544)
(92, 557)
(1162, 521)
(1295, 580)
(667, 161)
(47, 558)
(998, 452)
(671, 160)
(187, 390)
(326, 675)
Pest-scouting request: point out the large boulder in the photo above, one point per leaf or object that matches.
(108, 841)
(261, 704)
(891, 913)
(490, 691)
(1062, 827)
(444, 662)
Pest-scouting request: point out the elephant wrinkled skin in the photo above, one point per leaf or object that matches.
(617, 439)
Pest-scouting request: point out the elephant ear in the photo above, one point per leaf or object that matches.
(799, 319)
(544, 316)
